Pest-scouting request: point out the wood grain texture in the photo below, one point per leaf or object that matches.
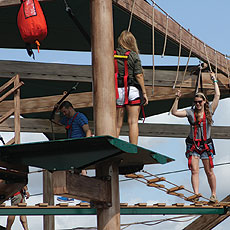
(207, 222)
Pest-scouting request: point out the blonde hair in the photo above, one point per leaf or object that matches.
(206, 108)
(128, 41)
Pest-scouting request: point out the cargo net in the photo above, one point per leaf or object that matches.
(172, 189)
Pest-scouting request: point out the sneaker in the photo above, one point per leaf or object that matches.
(213, 199)
(65, 199)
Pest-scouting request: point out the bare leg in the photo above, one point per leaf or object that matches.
(195, 174)
(133, 114)
(120, 116)
(210, 175)
(10, 221)
(23, 220)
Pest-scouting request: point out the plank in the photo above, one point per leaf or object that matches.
(73, 185)
(206, 222)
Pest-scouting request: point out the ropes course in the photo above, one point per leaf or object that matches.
(171, 191)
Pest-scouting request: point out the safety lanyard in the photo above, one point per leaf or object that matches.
(69, 126)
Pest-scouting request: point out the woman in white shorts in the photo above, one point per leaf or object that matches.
(129, 81)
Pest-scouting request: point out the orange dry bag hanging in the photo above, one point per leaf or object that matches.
(31, 24)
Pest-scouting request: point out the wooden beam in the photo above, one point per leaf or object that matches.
(207, 222)
(17, 110)
(146, 130)
(84, 100)
(80, 73)
(85, 188)
(5, 3)
(143, 11)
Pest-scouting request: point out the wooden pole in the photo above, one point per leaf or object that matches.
(104, 100)
(17, 111)
(48, 197)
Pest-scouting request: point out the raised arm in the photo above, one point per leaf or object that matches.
(175, 111)
(217, 92)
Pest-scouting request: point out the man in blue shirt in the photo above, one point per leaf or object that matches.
(76, 125)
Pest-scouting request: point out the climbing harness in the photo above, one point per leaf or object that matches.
(131, 15)
(126, 82)
(59, 102)
(202, 144)
(118, 81)
(69, 126)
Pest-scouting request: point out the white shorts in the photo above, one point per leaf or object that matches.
(133, 96)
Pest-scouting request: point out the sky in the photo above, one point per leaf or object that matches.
(207, 20)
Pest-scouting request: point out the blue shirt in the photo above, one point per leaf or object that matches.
(76, 131)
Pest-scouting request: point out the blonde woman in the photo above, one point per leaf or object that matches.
(199, 143)
(130, 88)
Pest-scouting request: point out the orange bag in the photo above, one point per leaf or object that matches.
(31, 22)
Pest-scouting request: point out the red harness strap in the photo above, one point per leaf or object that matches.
(116, 75)
(198, 141)
(125, 76)
(69, 126)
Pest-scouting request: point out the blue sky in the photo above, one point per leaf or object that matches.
(207, 20)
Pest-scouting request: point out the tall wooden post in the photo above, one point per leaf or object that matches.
(105, 100)
(17, 111)
(48, 197)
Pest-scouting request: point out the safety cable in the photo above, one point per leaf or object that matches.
(178, 63)
(153, 46)
(77, 23)
(159, 221)
(177, 171)
(131, 15)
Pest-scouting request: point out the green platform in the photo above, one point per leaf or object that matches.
(124, 211)
(79, 153)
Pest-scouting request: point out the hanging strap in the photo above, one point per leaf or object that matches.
(153, 44)
(131, 15)
(226, 60)
(178, 64)
(216, 63)
(69, 126)
(166, 35)
(116, 75)
(77, 23)
(210, 68)
(126, 78)
(186, 67)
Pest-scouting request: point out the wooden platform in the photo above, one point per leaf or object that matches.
(80, 153)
